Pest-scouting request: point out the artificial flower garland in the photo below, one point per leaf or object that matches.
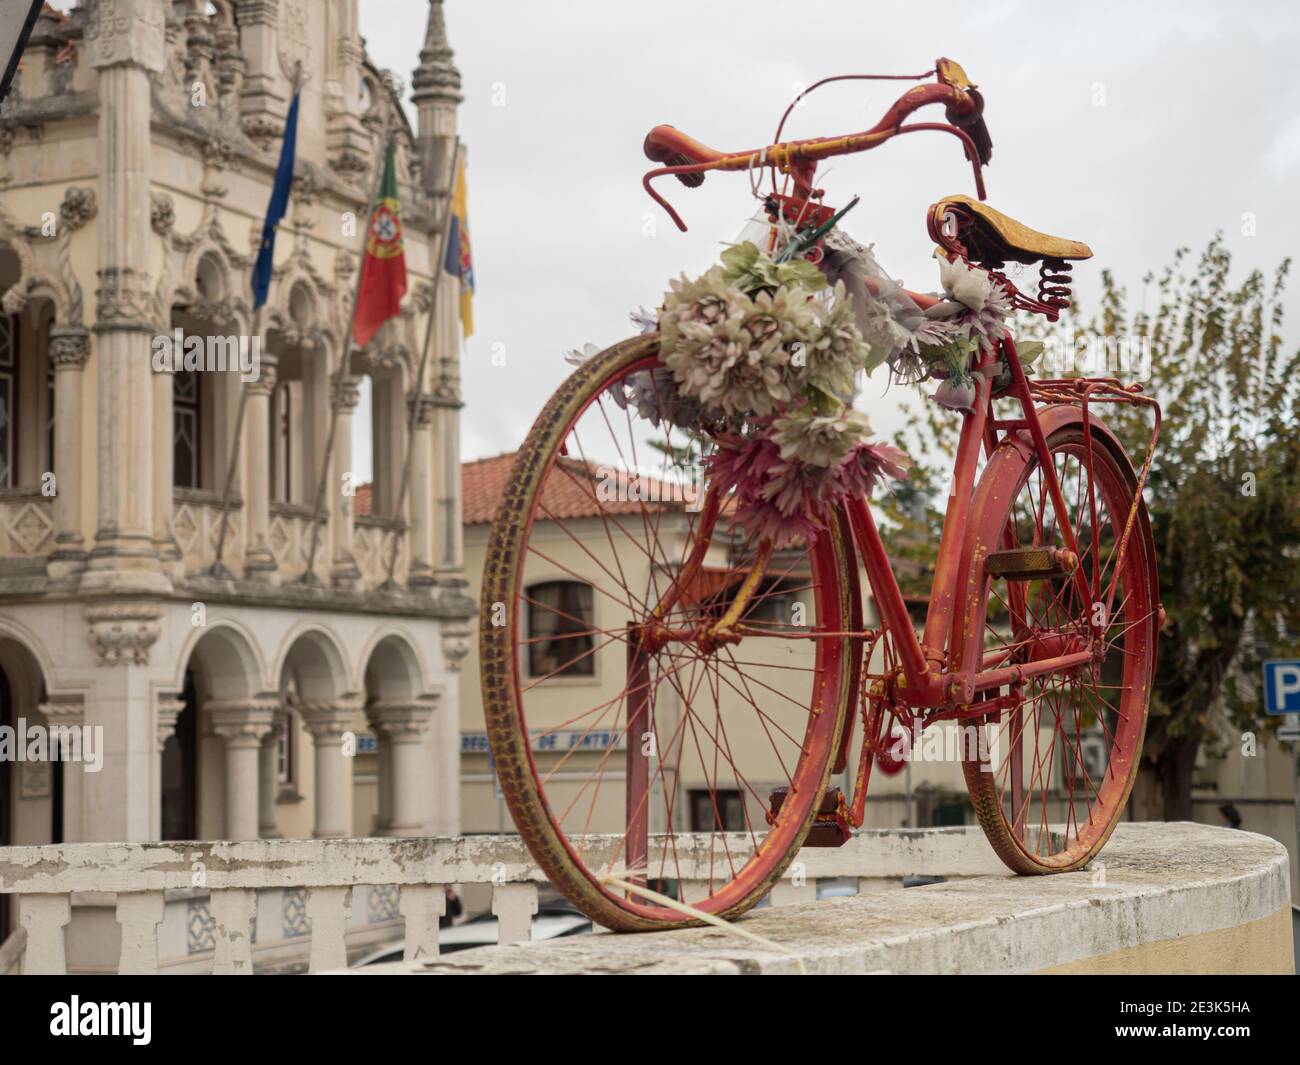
(755, 351)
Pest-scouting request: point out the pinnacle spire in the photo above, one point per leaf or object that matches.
(436, 78)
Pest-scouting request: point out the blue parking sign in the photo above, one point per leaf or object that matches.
(1282, 686)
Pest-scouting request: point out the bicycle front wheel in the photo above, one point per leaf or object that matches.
(625, 744)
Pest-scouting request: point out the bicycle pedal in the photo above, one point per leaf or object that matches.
(1031, 563)
(830, 828)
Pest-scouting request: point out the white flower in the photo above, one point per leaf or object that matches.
(578, 357)
(965, 283)
(644, 320)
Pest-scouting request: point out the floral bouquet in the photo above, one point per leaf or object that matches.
(771, 366)
(756, 350)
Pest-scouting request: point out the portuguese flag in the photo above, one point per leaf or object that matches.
(383, 273)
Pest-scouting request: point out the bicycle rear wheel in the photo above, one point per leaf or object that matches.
(623, 751)
(1050, 777)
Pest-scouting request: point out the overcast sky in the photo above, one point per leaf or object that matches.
(1133, 126)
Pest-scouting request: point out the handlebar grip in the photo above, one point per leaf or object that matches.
(671, 147)
(974, 125)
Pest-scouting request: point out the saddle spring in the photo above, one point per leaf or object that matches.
(1054, 281)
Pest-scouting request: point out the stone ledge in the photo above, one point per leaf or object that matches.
(1162, 898)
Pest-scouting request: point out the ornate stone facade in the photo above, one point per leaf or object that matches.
(156, 518)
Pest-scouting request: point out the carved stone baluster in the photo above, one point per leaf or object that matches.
(44, 917)
(139, 914)
(514, 906)
(232, 915)
(328, 909)
(422, 907)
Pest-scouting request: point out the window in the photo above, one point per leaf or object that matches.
(281, 452)
(286, 752)
(49, 412)
(560, 619)
(729, 815)
(185, 429)
(8, 398)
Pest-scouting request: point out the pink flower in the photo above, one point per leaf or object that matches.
(787, 501)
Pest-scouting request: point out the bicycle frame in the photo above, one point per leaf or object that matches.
(939, 670)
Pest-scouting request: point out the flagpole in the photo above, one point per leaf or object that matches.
(218, 568)
(438, 265)
(345, 352)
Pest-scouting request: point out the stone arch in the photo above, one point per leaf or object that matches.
(234, 661)
(391, 667)
(22, 695)
(400, 709)
(39, 267)
(220, 695)
(313, 656)
(16, 632)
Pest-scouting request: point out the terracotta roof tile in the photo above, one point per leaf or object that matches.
(363, 501)
(570, 491)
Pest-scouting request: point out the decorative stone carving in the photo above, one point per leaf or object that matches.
(122, 633)
(243, 722)
(69, 347)
(346, 392)
(455, 646)
(262, 129)
(127, 31)
(162, 213)
(124, 300)
(169, 709)
(422, 407)
(267, 368)
(78, 207)
(401, 721)
(294, 36)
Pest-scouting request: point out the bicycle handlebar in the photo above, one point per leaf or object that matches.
(689, 160)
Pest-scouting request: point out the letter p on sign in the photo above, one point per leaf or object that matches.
(1282, 686)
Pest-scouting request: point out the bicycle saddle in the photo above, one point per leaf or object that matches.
(991, 236)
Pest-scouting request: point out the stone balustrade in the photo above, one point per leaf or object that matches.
(141, 884)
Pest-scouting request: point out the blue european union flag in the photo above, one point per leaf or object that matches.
(276, 208)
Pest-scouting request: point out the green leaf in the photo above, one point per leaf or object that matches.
(1028, 351)
(740, 257)
(801, 272)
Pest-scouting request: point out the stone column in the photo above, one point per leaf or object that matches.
(327, 722)
(125, 45)
(68, 711)
(164, 469)
(243, 724)
(169, 709)
(259, 561)
(117, 802)
(419, 502)
(400, 727)
(69, 350)
(269, 772)
(343, 571)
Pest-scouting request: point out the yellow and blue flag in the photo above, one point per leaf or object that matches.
(459, 262)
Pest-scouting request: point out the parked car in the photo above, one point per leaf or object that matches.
(552, 921)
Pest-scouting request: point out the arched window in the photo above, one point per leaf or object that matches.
(561, 617)
(281, 433)
(187, 412)
(8, 400)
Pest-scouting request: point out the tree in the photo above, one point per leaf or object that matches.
(1224, 497)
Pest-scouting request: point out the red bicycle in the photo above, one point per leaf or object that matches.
(668, 697)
